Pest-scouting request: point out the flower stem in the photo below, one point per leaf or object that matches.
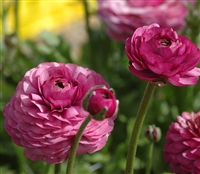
(46, 168)
(137, 127)
(57, 168)
(77, 138)
(87, 17)
(88, 29)
(16, 15)
(149, 158)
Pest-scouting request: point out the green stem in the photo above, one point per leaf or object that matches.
(57, 168)
(149, 158)
(46, 167)
(16, 16)
(3, 18)
(86, 16)
(137, 127)
(77, 138)
(89, 32)
(21, 160)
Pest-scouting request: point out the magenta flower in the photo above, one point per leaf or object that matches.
(161, 55)
(123, 17)
(182, 147)
(45, 112)
(102, 98)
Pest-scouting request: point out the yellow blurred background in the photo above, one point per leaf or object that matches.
(35, 16)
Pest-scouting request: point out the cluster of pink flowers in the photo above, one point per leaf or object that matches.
(45, 112)
(123, 17)
(182, 147)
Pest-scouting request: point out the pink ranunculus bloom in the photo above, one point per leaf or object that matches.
(182, 147)
(45, 112)
(123, 17)
(161, 55)
(102, 98)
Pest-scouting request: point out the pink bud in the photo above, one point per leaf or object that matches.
(102, 98)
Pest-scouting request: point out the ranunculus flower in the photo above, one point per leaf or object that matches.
(101, 98)
(182, 147)
(123, 17)
(45, 112)
(161, 55)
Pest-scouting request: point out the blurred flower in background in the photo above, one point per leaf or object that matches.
(121, 18)
(30, 18)
(35, 16)
(182, 147)
(45, 112)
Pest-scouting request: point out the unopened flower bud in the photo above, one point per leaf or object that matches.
(153, 133)
(101, 103)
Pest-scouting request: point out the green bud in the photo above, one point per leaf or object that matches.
(153, 133)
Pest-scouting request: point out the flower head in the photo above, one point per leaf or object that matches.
(45, 112)
(122, 17)
(182, 147)
(161, 55)
(100, 98)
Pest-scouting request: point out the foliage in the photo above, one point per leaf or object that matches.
(108, 58)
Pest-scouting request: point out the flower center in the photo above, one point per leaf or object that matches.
(105, 95)
(165, 42)
(60, 84)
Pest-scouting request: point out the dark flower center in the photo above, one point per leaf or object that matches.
(60, 84)
(165, 42)
(105, 95)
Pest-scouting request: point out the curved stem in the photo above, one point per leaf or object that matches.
(57, 168)
(77, 138)
(137, 127)
(149, 158)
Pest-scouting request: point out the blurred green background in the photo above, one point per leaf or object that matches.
(77, 36)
